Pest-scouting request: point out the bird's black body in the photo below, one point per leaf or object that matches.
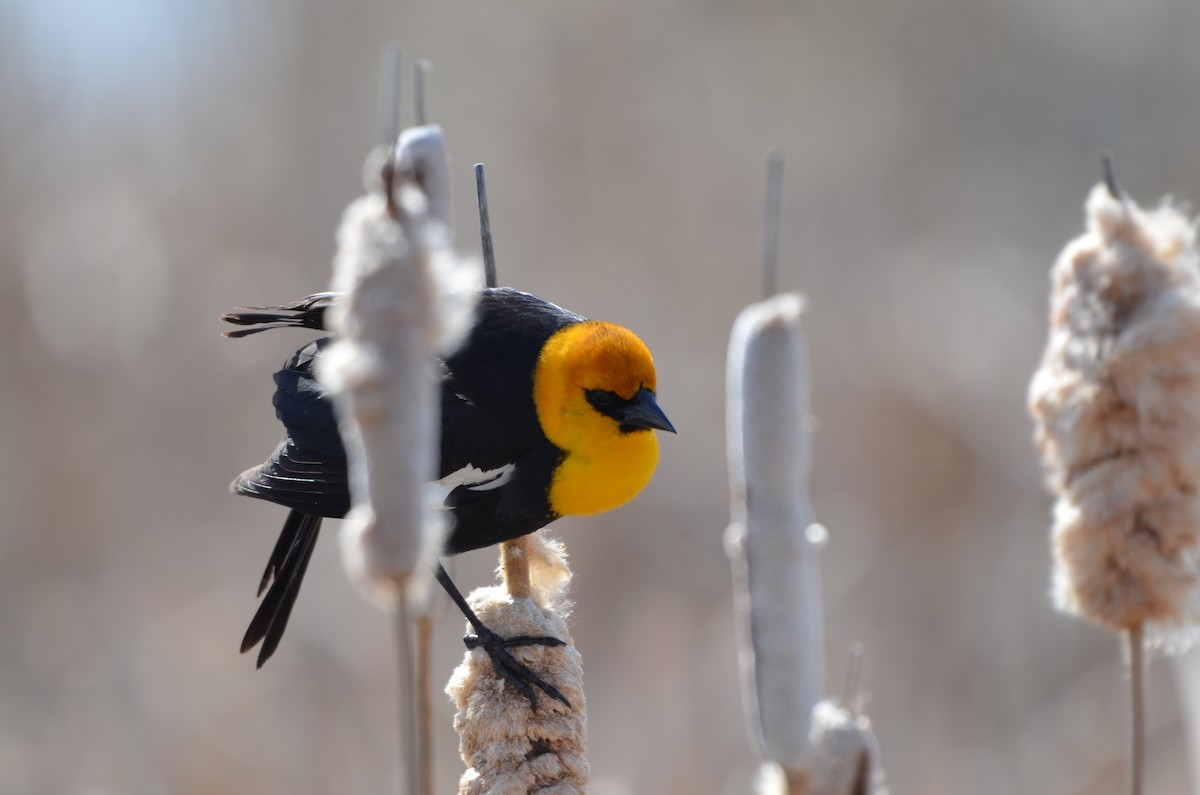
(489, 422)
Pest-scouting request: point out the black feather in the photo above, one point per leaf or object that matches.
(279, 554)
(308, 312)
(298, 538)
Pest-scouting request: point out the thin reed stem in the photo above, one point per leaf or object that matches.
(485, 228)
(770, 230)
(420, 78)
(853, 673)
(390, 64)
(410, 779)
(424, 628)
(1137, 710)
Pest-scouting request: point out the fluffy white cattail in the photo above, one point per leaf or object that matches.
(405, 299)
(773, 540)
(508, 747)
(1116, 404)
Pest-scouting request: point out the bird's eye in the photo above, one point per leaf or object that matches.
(600, 398)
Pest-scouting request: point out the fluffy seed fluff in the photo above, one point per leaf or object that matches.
(406, 298)
(509, 748)
(1116, 408)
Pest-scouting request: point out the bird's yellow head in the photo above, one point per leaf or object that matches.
(594, 391)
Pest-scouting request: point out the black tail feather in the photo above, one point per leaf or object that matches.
(308, 312)
(285, 572)
(287, 537)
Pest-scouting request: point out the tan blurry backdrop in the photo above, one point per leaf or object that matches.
(162, 162)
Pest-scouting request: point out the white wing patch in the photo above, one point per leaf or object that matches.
(474, 478)
(495, 478)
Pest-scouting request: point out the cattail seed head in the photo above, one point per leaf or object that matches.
(776, 567)
(1116, 408)
(509, 747)
(405, 299)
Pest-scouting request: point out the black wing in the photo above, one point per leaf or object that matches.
(307, 471)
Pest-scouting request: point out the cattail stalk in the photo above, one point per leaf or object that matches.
(509, 747)
(514, 567)
(1137, 709)
(1116, 408)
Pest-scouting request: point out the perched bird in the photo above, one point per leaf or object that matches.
(544, 414)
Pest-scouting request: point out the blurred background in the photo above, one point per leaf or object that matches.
(160, 163)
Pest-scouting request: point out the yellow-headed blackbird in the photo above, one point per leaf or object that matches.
(544, 414)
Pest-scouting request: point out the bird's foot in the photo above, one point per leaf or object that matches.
(517, 673)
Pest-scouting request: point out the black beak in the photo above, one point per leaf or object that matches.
(643, 412)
